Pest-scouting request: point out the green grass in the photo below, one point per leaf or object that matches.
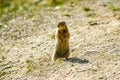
(113, 8)
(86, 8)
(2, 24)
(2, 73)
(30, 68)
(66, 14)
(52, 36)
(30, 65)
(91, 14)
(55, 2)
(14, 6)
(27, 61)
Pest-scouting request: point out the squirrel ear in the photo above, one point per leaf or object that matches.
(63, 23)
(58, 26)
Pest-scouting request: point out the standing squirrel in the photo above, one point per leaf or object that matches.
(62, 42)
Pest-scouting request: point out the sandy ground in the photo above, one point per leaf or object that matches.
(27, 43)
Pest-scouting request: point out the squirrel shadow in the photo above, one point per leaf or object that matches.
(77, 60)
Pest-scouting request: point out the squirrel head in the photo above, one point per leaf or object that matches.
(61, 25)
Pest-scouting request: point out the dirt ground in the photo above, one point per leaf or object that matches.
(27, 43)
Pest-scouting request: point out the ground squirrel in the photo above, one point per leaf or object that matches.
(62, 42)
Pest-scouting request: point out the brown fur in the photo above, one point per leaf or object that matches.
(62, 42)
